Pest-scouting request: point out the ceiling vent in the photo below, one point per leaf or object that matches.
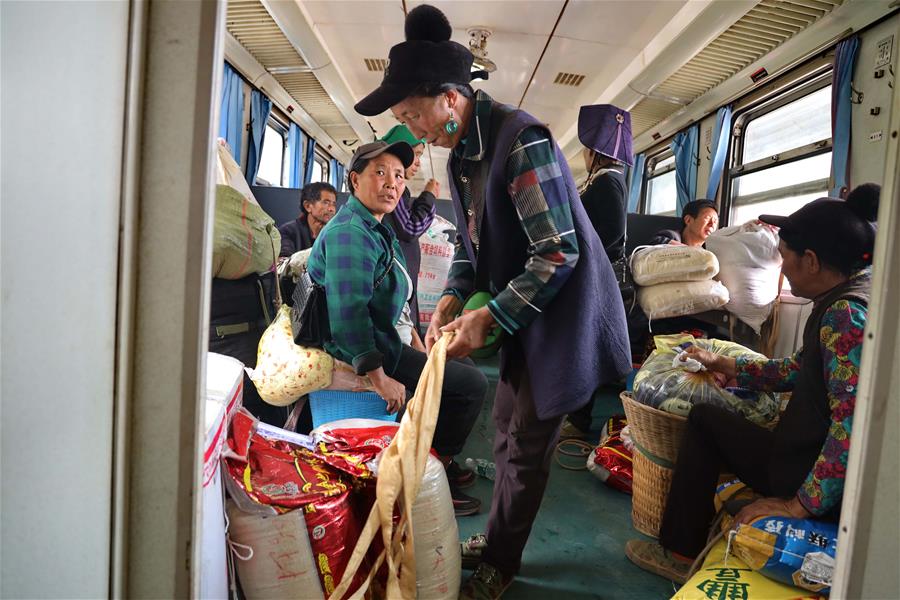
(376, 64)
(570, 79)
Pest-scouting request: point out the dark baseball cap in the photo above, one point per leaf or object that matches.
(401, 150)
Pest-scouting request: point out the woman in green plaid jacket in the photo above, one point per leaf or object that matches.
(357, 259)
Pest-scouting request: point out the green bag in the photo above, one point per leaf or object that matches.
(245, 238)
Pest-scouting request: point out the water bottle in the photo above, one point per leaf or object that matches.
(482, 467)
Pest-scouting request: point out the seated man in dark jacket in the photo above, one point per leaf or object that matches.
(700, 219)
(318, 203)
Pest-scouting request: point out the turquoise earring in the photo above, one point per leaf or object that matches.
(451, 126)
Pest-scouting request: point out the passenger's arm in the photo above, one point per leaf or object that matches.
(460, 284)
(538, 191)
(415, 219)
(768, 375)
(841, 337)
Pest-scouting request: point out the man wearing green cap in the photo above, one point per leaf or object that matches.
(412, 218)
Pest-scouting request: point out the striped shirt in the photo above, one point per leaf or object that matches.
(415, 217)
(537, 189)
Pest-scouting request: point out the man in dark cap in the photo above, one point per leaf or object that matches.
(800, 466)
(700, 219)
(525, 238)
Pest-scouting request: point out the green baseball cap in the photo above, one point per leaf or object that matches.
(400, 133)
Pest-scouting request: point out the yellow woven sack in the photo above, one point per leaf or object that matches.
(285, 371)
(732, 579)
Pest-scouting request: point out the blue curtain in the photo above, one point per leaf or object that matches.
(721, 134)
(296, 139)
(634, 189)
(337, 174)
(841, 78)
(310, 159)
(684, 146)
(260, 107)
(231, 110)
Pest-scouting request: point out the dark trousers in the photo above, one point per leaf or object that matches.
(583, 417)
(462, 395)
(523, 451)
(716, 441)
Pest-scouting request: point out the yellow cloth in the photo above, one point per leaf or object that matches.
(400, 470)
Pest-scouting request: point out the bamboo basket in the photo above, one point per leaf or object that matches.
(650, 491)
(657, 432)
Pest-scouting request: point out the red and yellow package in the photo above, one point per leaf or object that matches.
(611, 461)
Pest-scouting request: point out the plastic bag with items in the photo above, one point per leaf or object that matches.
(671, 387)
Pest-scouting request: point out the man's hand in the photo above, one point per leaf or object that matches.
(471, 330)
(446, 310)
(433, 186)
(771, 507)
(393, 392)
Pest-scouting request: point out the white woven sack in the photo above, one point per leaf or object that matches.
(681, 298)
(651, 265)
(750, 267)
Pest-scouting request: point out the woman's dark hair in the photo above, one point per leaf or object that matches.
(312, 192)
(845, 240)
(432, 90)
(358, 166)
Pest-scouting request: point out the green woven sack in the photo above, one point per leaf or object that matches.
(245, 239)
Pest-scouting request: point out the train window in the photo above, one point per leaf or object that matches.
(320, 169)
(271, 163)
(784, 154)
(661, 195)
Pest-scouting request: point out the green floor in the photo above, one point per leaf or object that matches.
(576, 548)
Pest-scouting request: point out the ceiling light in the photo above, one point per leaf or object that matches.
(478, 47)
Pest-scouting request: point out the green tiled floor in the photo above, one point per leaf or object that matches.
(576, 549)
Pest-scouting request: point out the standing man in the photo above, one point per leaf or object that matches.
(318, 203)
(524, 237)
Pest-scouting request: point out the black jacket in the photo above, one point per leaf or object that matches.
(295, 236)
(606, 202)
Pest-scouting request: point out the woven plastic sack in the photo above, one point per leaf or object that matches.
(245, 239)
(750, 269)
(285, 371)
(728, 577)
(229, 173)
(673, 389)
(437, 254)
(798, 552)
(683, 298)
(651, 265)
(274, 558)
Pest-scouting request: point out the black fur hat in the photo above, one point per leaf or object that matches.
(427, 56)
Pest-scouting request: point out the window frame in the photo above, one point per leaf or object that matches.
(282, 131)
(651, 172)
(790, 92)
(324, 161)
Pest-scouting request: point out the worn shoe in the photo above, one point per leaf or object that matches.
(486, 583)
(471, 550)
(569, 431)
(458, 476)
(463, 505)
(652, 557)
